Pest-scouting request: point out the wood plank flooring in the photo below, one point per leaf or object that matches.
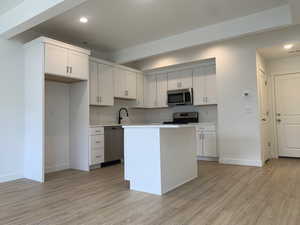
(222, 195)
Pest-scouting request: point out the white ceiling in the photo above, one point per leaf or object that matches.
(6, 5)
(277, 52)
(119, 24)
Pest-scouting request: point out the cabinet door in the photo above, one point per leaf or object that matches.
(199, 86)
(130, 91)
(139, 90)
(199, 142)
(210, 144)
(211, 84)
(93, 81)
(78, 63)
(174, 81)
(186, 78)
(182, 79)
(56, 60)
(119, 82)
(161, 90)
(150, 91)
(106, 85)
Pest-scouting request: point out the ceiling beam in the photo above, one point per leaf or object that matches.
(262, 21)
(30, 13)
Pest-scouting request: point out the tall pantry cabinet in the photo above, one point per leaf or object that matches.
(48, 60)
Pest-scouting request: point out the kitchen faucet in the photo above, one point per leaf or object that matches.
(120, 117)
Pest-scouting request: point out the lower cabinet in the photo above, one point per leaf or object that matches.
(96, 146)
(207, 141)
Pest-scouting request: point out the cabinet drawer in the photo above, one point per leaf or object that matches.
(97, 131)
(206, 129)
(97, 156)
(97, 141)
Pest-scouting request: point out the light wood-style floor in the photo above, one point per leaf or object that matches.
(222, 195)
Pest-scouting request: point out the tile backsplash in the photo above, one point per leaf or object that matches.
(107, 115)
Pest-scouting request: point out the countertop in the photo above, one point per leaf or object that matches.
(160, 126)
(153, 125)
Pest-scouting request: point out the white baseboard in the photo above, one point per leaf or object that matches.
(211, 159)
(57, 168)
(241, 162)
(11, 177)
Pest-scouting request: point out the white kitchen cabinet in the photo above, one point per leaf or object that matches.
(210, 144)
(131, 84)
(150, 91)
(125, 83)
(161, 90)
(93, 81)
(78, 65)
(181, 79)
(205, 85)
(56, 60)
(206, 141)
(96, 146)
(61, 61)
(101, 84)
(156, 87)
(139, 90)
(106, 85)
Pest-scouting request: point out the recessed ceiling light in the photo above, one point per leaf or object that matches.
(83, 20)
(289, 46)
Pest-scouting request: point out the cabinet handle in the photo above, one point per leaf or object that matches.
(206, 99)
(70, 69)
(67, 69)
(126, 93)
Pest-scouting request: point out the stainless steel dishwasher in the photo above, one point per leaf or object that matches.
(113, 143)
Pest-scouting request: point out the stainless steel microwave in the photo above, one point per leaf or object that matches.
(180, 97)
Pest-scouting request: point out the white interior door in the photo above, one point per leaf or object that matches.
(264, 114)
(288, 114)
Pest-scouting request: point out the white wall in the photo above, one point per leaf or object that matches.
(12, 110)
(284, 65)
(57, 102)
(238, 117)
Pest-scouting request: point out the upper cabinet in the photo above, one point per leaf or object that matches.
(125, 83)
(181, 79)
(66, 61)
(139, 90)
(101, 84)
(156, 87)
(205, 85)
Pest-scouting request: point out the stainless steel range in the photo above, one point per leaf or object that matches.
(184, 118)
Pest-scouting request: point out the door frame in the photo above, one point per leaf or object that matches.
(272, 91)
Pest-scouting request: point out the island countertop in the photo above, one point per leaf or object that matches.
(160, 125)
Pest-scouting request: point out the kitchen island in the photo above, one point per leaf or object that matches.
(159, 158)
